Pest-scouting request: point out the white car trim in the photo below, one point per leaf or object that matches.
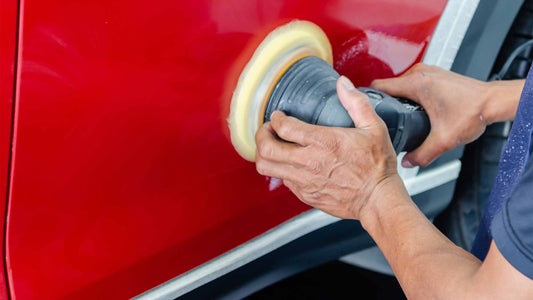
(441, 51)
(450, 32)
(247, 252)
(281, 235)
(433, 178)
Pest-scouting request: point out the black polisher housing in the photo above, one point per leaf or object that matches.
(307, 91)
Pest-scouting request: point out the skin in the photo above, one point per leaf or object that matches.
(459, 107)
(351, 173)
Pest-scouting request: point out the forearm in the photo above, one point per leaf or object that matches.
(351, 173)
(502, 99)
(427, 264)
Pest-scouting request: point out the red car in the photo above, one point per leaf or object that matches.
(117, 170)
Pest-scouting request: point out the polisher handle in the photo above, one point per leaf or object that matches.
(307, 91)
(407, 122)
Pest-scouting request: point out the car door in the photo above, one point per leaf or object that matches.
(123, 175)
(8, 37)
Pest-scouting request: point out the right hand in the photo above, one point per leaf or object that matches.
(454, 104)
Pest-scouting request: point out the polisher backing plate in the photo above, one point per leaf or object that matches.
(278, 51)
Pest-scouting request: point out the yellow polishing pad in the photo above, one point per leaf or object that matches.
(280, 49)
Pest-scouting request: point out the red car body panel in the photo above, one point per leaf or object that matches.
(8, 34)
(123, 173)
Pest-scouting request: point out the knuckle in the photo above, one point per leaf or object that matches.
(275, 123)
(261, 167)
(285, 131)
(446, 143)
(313, 166)
(266, 150)
(382, 129)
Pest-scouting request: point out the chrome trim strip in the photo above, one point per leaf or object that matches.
(441, 51)
(273, 239)
(281, 235)
(450, 32)
(433, 178)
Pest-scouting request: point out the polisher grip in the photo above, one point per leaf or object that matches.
(307, 91)
(407, 122)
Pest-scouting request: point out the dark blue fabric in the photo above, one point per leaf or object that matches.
(511, 167)
(512, 227)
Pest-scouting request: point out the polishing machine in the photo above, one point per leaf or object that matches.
(291, 71)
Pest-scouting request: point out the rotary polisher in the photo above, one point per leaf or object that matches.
(291, 71)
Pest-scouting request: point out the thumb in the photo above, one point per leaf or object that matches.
(422, 156)
(356, 103)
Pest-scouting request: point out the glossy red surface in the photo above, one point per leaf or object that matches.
(124, 175)
(8, 33)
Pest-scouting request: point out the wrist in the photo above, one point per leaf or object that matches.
(500, 100)
(387, 195)
(488, 96)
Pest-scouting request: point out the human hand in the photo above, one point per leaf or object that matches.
(337, 170)
(455, 105)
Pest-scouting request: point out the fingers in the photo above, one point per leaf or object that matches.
(276, 158)
(404, 86)
(398, 86)
(270, 148)
(430, 149)
(356, 103)
(293, 130)
(275, 169)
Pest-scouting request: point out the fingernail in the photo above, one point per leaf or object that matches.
(346, 83)
(407, 164)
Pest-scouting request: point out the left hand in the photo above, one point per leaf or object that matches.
(337, 170)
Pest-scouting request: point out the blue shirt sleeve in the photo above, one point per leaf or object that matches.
(512, 227)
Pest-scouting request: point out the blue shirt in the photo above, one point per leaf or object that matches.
(508, 217)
